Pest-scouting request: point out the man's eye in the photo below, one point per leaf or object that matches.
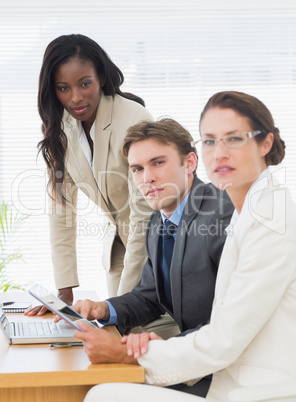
(159, 163)
(136, 170)
(208, 142)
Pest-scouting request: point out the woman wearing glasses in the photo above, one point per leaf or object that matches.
(250, 339)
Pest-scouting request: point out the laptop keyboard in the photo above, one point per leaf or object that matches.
(35, 328)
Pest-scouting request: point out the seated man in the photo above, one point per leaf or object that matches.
(185, 238)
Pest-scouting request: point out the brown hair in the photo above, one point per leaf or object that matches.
(165, 131)
(258, 115)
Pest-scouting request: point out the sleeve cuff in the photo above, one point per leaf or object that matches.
(113, 316)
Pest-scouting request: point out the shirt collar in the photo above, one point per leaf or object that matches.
(251, 198)
(84, 143)
(178, 212)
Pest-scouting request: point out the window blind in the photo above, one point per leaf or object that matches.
(173, 54)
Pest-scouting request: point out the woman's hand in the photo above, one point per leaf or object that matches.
(37, 310)
(65, 294)
(137, 344)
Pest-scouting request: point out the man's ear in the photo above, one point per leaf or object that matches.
(190, 162)
(266, 144)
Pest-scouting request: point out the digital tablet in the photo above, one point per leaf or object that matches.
(57, 306)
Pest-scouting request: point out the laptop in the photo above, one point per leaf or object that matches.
(35, 331)
(44, 331)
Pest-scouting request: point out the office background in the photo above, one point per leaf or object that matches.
(174, 54)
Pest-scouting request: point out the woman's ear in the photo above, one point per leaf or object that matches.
(266, 144)
(102, 81)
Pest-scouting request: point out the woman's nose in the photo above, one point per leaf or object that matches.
(76, 96)
(221, 150)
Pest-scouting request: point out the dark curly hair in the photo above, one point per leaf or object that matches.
(54, 144)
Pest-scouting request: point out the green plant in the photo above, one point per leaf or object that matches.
(10, 222)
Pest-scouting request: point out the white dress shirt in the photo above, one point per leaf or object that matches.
(84, 142)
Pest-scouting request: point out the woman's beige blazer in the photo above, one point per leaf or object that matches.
(110, 187)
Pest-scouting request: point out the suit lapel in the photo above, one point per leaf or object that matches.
(190, 211)
(77, 164)
(101, 143)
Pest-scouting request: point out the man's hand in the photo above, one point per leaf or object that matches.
(137, 344)
(101, 346)
(93, 310)
(65, 294)
(90, 310)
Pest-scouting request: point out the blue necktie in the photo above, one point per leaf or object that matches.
(168, 242)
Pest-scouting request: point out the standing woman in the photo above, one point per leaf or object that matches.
(250, 339)
(85, 117)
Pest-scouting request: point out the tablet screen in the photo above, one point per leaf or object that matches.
(57, 306)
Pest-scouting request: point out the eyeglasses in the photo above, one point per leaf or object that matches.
(233, 140)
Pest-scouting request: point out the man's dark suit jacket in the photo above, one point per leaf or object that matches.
(198, 245)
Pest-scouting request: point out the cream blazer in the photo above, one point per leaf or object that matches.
(110, 188)
(251, 338)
